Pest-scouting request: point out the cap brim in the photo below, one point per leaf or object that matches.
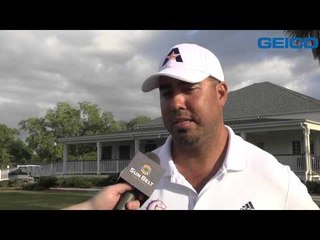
(186, 75)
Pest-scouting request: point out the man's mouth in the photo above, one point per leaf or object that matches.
(182, 122)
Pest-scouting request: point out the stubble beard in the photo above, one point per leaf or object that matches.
(193, 138)
(186, 137)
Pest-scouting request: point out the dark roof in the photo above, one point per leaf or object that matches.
(266, 99)
(255, 121)
(157, 122)
(248, 105)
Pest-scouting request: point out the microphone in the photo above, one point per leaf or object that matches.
(143, 173)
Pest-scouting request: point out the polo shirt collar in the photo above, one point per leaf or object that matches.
(235, 159)
(166, 159)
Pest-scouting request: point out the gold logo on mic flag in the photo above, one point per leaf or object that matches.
(143, 173)
(146, 169)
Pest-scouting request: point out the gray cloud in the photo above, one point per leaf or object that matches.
(38, 69)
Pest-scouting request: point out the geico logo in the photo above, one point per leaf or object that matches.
(282, 42)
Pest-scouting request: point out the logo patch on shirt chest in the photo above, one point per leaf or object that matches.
(247, 206)
(156, 205)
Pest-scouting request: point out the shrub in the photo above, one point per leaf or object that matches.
(72, 182)
(107, 181)
(76, 182)
(47, 182)
(15, 183)
(4, 183)
(313, 186)
(33, 187)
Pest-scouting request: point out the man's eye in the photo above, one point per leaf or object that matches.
(190, 89)
(165, 93)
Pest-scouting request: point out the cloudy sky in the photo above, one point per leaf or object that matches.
(40, 68)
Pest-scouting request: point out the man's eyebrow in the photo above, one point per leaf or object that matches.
(180, 83)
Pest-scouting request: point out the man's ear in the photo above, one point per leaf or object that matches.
(222, 90)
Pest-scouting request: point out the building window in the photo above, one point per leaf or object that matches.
(124, 152)
(260, 145)
(106, 152)
(296, 148)
(150, 147)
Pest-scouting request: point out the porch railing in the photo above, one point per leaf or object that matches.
(82, 167)
(297, 163)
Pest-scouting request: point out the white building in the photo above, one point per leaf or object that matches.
(282, 122)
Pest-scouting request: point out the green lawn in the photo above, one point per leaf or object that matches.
(43, 200)
(40, 200)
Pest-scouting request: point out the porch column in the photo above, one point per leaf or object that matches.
(306, 133)
(99, 155)
(136, 145)
(65, 157)
(243, 135)
(316, 143)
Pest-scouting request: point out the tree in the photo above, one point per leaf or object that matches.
(122, 125)
(20, 152)
(5, 158)
(96, 121)
(137, 121)
(304, 34)
(66, 121)
(7, 137)
(40, 140)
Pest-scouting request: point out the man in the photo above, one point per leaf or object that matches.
(207, 165)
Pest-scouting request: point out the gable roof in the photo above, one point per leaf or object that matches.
(261, 99)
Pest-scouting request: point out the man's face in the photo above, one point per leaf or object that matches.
(192, 112)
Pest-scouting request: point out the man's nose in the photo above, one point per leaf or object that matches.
(178, 101)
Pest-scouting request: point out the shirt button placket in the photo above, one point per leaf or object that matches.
(192, 199)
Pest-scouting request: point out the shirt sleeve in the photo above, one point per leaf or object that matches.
(298, 197)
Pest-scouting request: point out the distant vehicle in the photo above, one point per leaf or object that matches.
(27, 173)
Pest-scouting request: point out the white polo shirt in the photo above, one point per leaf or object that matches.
(249, 178)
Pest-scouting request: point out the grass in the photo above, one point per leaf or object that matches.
(11, 199)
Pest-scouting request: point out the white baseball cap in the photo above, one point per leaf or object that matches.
(186, 62)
